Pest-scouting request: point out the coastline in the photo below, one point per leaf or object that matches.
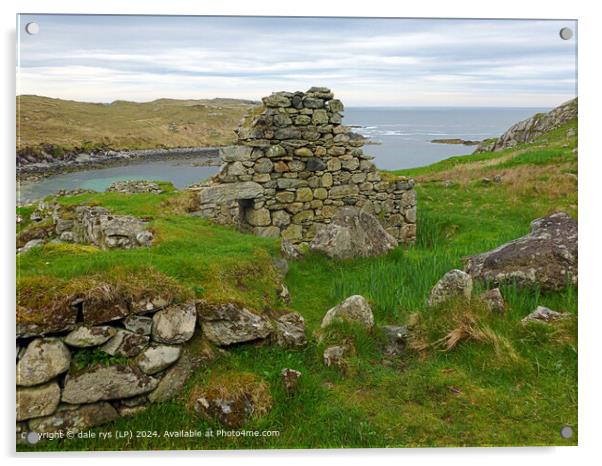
(32, 172)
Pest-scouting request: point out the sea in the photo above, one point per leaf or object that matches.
(401, 139)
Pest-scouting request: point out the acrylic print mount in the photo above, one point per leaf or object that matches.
(263, 232)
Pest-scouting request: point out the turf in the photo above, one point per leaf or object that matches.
(503, 383)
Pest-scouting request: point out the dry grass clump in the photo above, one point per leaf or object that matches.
(181, 204)
(445, 328)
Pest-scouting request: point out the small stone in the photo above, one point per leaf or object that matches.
(258, 217)
(44, 359)
(453, 285)
(494, 300)
(304, 195)
(290, 251)
(545, 315)
(320, 117)
(334, 356)
(125, 343)
(41, 400)
(290, 330)
(264, 165)
(303, 152)
(175, 324)
(86, 337)
(158, 357)
(395, 339)
(140, 325)
(275, 151)
(354, 309)
(276, 100)
(315, 164)
(290, 379)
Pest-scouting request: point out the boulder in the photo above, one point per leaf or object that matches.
(229, 323)
(125, 343)
(86, 336)
(157, 357)
(545, 258)
(75, 418)
(395, 339)
(290, 330)
(545, 315)
(41, 400)
(455, 284)
(353, 233)
(353, 309)
(44, 359)
(174, 324)
(494, 300)
(232, 399)
(106, 383)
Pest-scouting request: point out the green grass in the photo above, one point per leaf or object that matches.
(513, 385)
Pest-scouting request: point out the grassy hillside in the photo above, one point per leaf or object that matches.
(65, 125)
(516, 386)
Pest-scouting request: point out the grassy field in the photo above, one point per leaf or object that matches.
(64, 125)
(505, 384)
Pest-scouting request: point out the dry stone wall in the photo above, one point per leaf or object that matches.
(295, 164)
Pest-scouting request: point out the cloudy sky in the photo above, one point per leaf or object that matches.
(367, 62)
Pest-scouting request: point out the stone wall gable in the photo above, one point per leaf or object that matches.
(294, 165)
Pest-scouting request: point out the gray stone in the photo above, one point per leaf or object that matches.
(494, 300)
(228, 192)
(157, 357)
(86, 336)
(455, 284)
(34, 243)
(140, 325)
(353, 309)
(290, 330)
(290, 251)
(125, 343)
(545, 258)
(315, 164)
(264, 165)
(134, 187)
(75, 418)
(229, 323)
(276, 100)
(334, 356)
(175, 324)
(41, 400)
(353, 233)
(275, 151)
(545, 315)
(235, 153)
(44, 359)
(106, 383)
(395, 339)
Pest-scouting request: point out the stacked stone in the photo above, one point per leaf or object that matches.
(294, 165)
(145, 337)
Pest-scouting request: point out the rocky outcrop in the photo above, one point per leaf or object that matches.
(353, 233)
(353, 309)
(545, 258)
(295, 164)
(530, 129)
(455, 284)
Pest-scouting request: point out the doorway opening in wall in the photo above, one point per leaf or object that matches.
(244, 205)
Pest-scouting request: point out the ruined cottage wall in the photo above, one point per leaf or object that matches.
(294, 165)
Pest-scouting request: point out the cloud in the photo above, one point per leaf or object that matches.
(366, 61)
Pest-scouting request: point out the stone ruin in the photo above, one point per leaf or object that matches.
(294, 165)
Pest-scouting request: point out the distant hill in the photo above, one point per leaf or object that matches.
(57, 126)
